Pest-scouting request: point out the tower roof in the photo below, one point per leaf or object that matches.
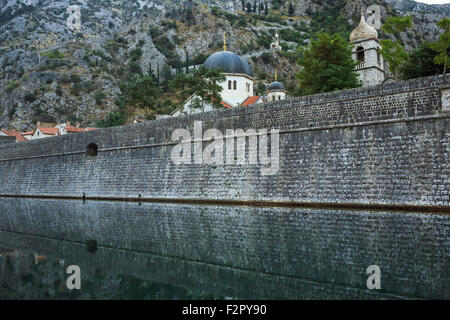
(363, 31)
(229, 62)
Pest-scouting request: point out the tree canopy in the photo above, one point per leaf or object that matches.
(393, 51)
(420, 63)
(442, 46)
(327, 66)
(204, 83)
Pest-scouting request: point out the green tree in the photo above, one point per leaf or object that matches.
(291, 9)
(249, 7)
(442, 46)
(114, 119)
(392, 51)
(142, 92)
(166, 74)
(420, 63)
(327, 66)
(206, 84)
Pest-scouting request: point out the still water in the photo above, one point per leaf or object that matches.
(181, 251)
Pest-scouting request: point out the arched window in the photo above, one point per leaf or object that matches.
(235, 85)
(360, 54)
(378, 57)
(91, 150)
(229, 84)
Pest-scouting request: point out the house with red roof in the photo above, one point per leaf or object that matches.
(250, 101)
(16, 134)
(44, 132)
(60, 130)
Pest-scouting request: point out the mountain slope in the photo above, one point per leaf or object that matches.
(51, 73)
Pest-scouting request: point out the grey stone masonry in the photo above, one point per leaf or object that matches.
(386, 144)
(297, 253)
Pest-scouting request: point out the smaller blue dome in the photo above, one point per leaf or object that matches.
(276, 86)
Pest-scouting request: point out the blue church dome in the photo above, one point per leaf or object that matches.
(229, 62)
(276, 86)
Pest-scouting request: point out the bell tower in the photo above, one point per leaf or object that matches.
(366, 51)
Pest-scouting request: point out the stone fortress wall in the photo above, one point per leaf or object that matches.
(380, 145)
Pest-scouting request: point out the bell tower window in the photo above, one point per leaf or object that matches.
(360, 54)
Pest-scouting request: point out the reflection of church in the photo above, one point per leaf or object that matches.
(238, 88)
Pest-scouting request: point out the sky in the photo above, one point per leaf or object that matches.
(433, 1)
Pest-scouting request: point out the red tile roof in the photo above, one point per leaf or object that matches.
(49, 131)
(250, 101)
(226, 105)
(16, 134)
(73, 129)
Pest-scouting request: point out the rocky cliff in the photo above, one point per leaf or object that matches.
(52, 72)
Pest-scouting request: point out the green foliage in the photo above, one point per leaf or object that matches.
(274, 18)
(291, 10)
(189, 15)
(442, 46)
(393, 51)
(291, 35)
(76, 89)
(170, 24)
(266, 57)
(135, 67)
(59, 91)
(114, 119)
(136, 54)
(52, 65)
(395, 25)
(264, 41)
(204, 83)
(12, 85)
(30, 97)
(99, 97)
(54, 54)
(327, 66)
(329, 19)
(141, 92)
(420, 63)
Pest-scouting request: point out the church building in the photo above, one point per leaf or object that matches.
(276, 90)
(236, 89)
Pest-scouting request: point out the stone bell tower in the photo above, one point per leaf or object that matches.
(366, 50)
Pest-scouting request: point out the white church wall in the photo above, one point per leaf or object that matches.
(276, 95)
(244, 89)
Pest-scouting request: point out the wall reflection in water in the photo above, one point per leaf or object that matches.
(172, 251)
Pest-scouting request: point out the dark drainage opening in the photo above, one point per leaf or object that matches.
(91, 246)
(92, 150)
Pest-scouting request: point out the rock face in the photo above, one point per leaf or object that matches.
(50, 72)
